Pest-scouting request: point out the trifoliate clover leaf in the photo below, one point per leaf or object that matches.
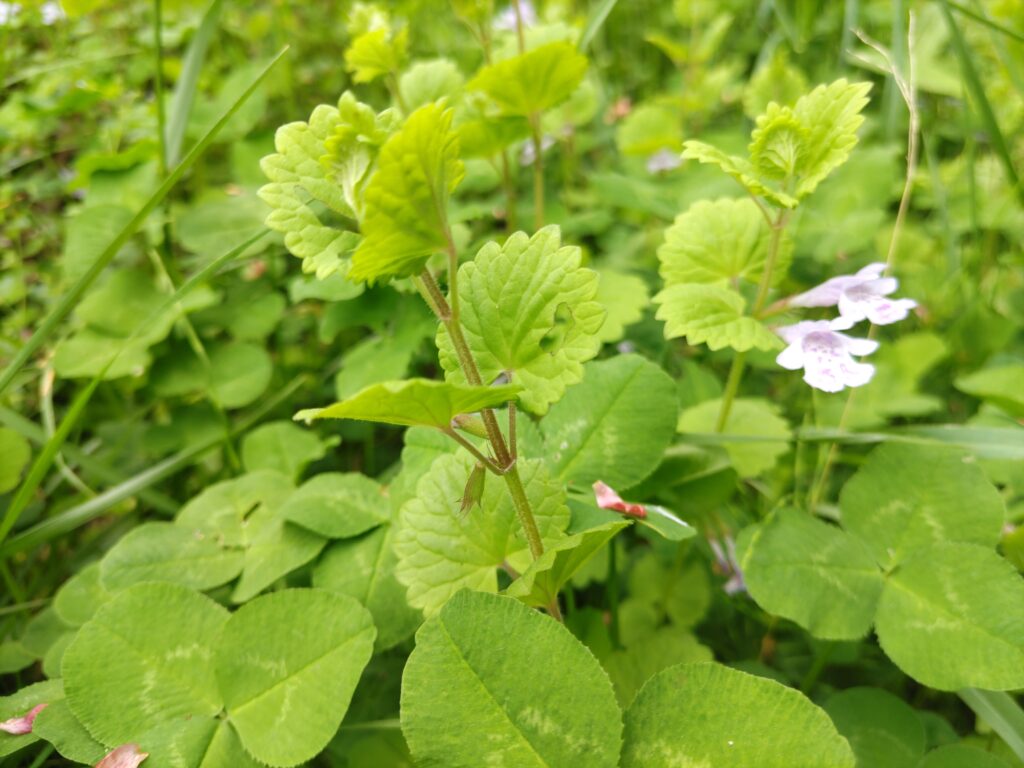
(352, 146)
(415, 402)
(377, 53)
(712, 315)
(441, 550)
(718, 241)
(533, 81)
(405, 217)
(305, 200)
(529, 312)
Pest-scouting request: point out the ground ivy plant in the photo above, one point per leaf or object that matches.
(299, 611)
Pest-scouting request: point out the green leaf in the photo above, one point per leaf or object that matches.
(17, 705)
(287, 665)
(441, 550)
(144, 658)
(80, 597)
(281, 446)
(405, 218)
(377, 53)
(364, 568)
(961, 756)
(496, 661)
(650, 128)
(533, 81)
(427, 81)
(952, 616)
(15, 453)
(42, 631)
(712, 315)
(717, 242)
(813, 573)
(87, 233)
(14, 657)
(301, 188)
(528, 311)
(414, 402)
(337, 505)
(710, 715)
(762, 434)
(883, 730)
(624, 297)
(203, 743)
(1001, 712)
(1000, 385)
(539, 584)
(58, 725)
(273, 549)
(221, 510)
(239, 373)
(614, 425)
(171, 553)
(739, 169)
(660, 649)
(909, 496)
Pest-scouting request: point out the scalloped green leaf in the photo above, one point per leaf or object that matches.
(707, 714)
(533, 81)
(306, 201)
(614, 425)
(717, 241)
(405, 217)
(811, 572)
(377, 53)
(501, 694)
(143, 659)
(287, 664)
(909, 496)
(414, 402)
(952, 616)
(441, 550)
(529, 311)
(712, 315)
(738, 168)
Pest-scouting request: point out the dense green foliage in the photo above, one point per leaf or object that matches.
(555, 384)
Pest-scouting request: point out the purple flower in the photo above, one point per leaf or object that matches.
(864, 295)
(825, 354)
(663, 160)
(506, 20)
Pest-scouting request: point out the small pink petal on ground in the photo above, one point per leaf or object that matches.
(125, 756)
(22, 725)
(607, 498)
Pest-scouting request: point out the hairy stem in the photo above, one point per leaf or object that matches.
(523, 511)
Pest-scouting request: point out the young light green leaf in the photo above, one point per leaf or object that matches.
(405, 217)
(377, 53)
(287, 665)
(414, 402)
(539, 584)
(171, 553)
(79, 597)
(337, 505)
(739, 169)
(709, 715)
(533, 81)
(364, 568)
(624, 297)
(300, 185)
(763, 434)
(441, 550)
(14, 455)
(909, 496)
(528, 311)
(952, 616)
(281, 446)
(428, 81)
(883, 730)
(717, 242)
(712, 315)
(614, 425)
(144, 658)
(813, 573)
(500, 692)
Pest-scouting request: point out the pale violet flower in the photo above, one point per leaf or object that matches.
(527, 154)
(506, 20)
(663, 160)
(863, 296)
(825, 354)
(7, 12)
(51, 12)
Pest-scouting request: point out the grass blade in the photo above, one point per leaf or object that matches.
(984, 19)
(596, 19)
(185, 90)
(79, 515)
(70, 299)
(973, 82)
(1000, 711)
